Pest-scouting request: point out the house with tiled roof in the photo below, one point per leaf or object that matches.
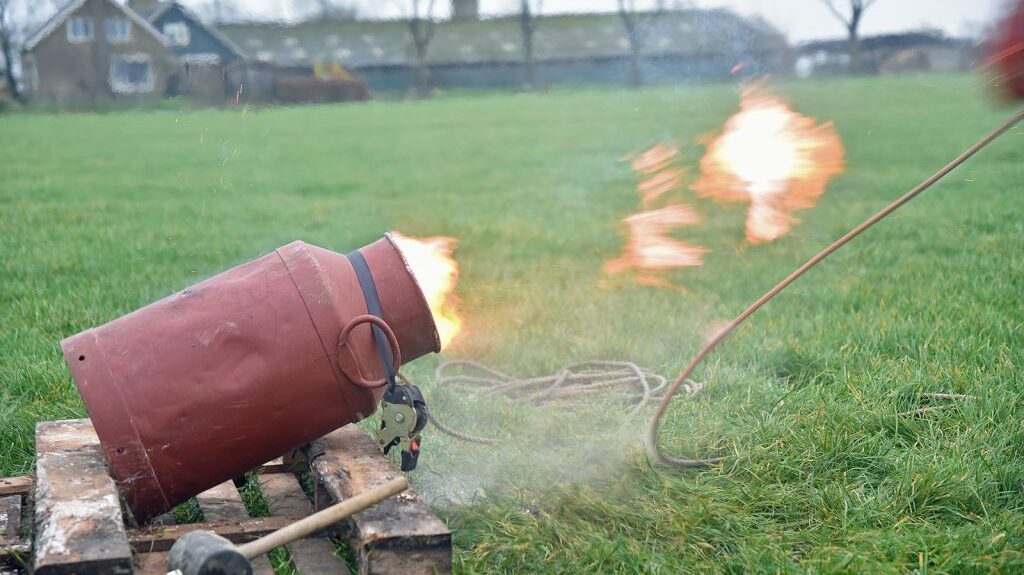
(103, 49)
(206, 55)
(97, 49)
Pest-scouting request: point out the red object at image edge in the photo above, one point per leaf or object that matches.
(1006, 52)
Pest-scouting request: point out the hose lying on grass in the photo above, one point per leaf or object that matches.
(640, 386)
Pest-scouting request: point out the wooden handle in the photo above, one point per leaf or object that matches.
(324, 518)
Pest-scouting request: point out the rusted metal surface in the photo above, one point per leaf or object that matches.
(79, 527)
(400, 535)
(1006, 55)
(285, 498)
(203, 385)
(21, 485)
(222, 503)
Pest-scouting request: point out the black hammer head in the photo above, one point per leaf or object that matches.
(206, 553)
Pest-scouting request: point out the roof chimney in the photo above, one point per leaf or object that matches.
(465, 9)
(144, 7)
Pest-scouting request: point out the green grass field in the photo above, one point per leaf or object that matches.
(101, 214)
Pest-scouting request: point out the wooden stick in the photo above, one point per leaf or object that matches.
(325, 518)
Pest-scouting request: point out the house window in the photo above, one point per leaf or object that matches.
(118, 30)
(177, 33)
(131, 74)
(79, 29)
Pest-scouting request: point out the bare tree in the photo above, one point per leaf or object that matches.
(528, 19)
(7, 48)
(638, 23)
(420, 20)
(17, 22)
(852, 22)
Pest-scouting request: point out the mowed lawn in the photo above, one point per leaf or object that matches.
(101, 214)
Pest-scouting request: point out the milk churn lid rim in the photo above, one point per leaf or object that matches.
(419, 290)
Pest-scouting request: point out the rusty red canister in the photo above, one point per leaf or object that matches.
(234, 371)
(1006, 52)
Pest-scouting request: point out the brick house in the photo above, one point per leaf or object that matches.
(204, 53)
(101, 49)
(97, 49)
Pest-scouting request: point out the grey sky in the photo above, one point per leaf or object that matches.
(799, 19)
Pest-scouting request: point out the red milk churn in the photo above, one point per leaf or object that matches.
(1006, 52)
(234, 371)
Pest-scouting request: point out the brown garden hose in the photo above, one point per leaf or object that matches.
(652, 432)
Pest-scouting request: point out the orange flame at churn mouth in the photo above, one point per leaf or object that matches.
(649, 247)
(776, 159)
(437, 273)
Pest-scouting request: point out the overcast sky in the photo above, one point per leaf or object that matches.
(799, 19)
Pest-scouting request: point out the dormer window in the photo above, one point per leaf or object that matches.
(79, 29)
(177, 33)
(118, 30)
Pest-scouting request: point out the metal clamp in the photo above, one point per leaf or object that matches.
(403, 415)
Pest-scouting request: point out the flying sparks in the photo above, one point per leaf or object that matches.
(650, 247)
(777, 159)
(437, 273)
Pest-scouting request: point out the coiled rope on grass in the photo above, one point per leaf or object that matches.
(639, 386)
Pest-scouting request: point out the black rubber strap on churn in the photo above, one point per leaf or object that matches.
(373, 307)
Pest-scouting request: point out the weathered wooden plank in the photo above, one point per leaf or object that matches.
(158, 539)
(400, 535)
(13, 550)
(285, 498)
(20, 485)
(79, 527)
(10, 519)
(224, 504)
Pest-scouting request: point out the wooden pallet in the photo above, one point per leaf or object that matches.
(79, 528)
